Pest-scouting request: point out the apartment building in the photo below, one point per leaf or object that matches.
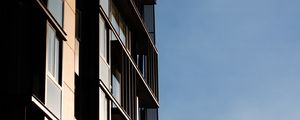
(79, 60)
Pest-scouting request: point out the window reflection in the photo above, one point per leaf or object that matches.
(56, 9)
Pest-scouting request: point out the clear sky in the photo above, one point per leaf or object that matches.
(229, 59)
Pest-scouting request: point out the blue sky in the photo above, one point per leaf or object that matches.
(229, 59)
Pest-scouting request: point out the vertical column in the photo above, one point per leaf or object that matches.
(87, 87)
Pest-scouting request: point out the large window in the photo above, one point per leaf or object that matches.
(56, 9)
(53, 92)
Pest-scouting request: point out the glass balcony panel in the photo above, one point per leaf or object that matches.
(53, 97)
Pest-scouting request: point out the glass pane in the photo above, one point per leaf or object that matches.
(53, 97)
(116, 90)
(115, 24)
(114, 19)
(152, 35)
(152, 114)
(142, 64)
(102, 37)
(123, 31)
(149, 17)
(56, 9)
(50, 49)
(56, 58)
(105, 43)
(52, 53)
(113, 36)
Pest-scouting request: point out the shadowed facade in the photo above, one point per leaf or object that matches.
(80, 59)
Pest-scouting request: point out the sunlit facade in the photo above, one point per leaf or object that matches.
(80, 60)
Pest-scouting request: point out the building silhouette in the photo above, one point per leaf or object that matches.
(79, 60)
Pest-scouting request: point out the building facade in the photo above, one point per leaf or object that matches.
(79, 60)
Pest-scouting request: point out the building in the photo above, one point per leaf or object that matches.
(79, 60)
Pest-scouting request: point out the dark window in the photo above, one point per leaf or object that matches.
(149, 20)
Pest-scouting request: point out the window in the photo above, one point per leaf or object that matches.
(104, 68)
(113, 37)
(115, 18)
(149, 20)
(151, 114)
(53, 92)
(148, 113)
(116, 88)
(120, 26)
(142, 64)
(123, 31)
(103, 38)
(56, 9)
